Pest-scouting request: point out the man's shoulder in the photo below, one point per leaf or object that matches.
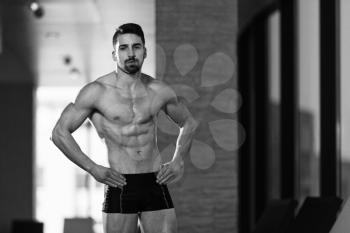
(155, 84)
(148, 80)
(92, 87)
(162, 90)
(90, 92)
(106, 79)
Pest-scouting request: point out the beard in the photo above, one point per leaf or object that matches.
(132, 66)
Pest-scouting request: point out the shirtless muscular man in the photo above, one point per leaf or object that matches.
(123, 107)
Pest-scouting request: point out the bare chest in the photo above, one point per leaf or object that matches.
(128, 107)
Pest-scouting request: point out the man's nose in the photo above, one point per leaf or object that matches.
(131, 53)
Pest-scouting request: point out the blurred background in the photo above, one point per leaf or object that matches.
(266, 79)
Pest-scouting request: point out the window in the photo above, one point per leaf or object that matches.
(63, 190)
(309, 97)
(273, 156)
(345, 104)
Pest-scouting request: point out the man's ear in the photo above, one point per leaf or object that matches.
(145, 53)
(114, 56)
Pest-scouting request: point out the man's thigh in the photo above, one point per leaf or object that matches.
(163, 221)
(119, 223)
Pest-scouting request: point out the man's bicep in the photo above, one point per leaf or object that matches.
(72, 117)
(76, 113)
(177, 111)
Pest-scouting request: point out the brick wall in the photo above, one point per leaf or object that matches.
(196, 54)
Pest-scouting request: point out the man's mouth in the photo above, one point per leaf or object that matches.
(131, 61)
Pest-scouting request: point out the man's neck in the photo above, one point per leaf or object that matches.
(124, 79)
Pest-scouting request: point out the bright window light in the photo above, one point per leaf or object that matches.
(63, 190)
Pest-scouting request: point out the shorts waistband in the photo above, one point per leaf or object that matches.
(131, 175)
(141, 179)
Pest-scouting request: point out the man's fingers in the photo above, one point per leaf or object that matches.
(117, 177)
(166, 179)
(162, 171)
(114, 183)
(120, 179)
(110, 183)
(116, 174)
(165, 176)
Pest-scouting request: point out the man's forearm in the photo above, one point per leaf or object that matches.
(69, 147)
(184, 140)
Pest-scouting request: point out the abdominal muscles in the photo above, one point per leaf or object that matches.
(132, 148)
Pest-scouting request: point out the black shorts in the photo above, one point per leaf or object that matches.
(141, 193)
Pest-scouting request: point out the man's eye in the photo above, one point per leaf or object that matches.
(122, 48)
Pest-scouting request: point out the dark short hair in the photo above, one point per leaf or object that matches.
(132, 28)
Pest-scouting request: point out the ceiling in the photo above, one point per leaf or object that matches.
(71, 44)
